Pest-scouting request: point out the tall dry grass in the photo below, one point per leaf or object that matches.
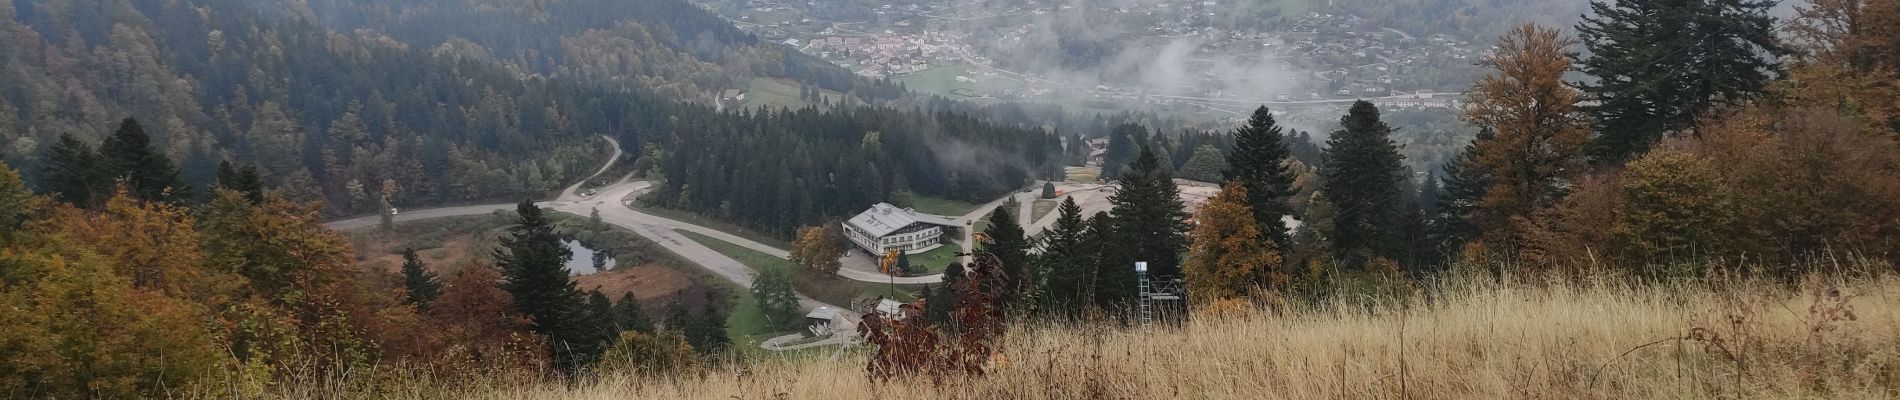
(1470, 339)
(1465, 338)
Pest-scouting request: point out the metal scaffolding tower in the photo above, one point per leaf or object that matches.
(1152, 293)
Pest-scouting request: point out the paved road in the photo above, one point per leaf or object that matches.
(569, 193)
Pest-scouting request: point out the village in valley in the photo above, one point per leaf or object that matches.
(1309, 57)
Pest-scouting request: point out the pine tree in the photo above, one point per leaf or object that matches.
(707, 330)
(1259, 163)
(773, 291)
(1150, 224)
(533, 262)
(423, 285)
(1065, 262)
(1110, 279)
(1123, 142)
(243, 180)
(629, 316)
(1364, 179)
(74, 174)
(1428, 195)
(1466, 181)
(1661, 64)
(1011, 247)
(128, 155)
(600, 323)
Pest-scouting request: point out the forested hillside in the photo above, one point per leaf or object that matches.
(353, 118)
(670, 45)
(777, 171)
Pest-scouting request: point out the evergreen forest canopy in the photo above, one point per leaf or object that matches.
(357, 118)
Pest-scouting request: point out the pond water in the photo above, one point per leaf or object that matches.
(583, 262)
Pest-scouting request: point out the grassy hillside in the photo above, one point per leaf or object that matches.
(1472, 339)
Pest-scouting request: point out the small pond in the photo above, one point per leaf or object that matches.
(584, 262)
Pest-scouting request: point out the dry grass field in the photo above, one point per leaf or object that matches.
(1469, 338)
(1750, 339)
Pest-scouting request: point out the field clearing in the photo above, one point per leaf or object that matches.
(1474, 339)
(941, 206)
(446, 245)
(771, 92)
(1041, 208)
(934, 261)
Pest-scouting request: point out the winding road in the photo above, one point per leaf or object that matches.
(613, 200)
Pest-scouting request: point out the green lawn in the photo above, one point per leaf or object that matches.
(941, 206)
(746, 325)
(1040, 209)
(829, 289)
(935, 260)
(773, 93)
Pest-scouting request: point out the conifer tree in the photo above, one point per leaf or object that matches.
(1106, 284)
(1661, 64)
(243, 180)
(707, 330)
(74, 174)
(1364, 179)
(1066, 263)
(1466, 181)
(600, 327)
(1011, 247)
(423, 285)
(128, 155)
(1150, 225)
(1123, 142)
(533, 262)
(629, 316)
(1258, 162)
(773, 291)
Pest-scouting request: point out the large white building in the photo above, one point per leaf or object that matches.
(885, 227)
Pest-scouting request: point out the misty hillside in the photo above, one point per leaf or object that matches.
(339, 115)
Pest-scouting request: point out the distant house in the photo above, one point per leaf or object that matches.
(732, 96)
(885, 227)
(821, 319)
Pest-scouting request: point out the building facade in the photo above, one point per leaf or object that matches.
(885, 227)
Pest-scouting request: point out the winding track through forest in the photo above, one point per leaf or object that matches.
(613, 203)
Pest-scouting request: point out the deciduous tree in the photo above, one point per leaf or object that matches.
(819, 248)
(1540, 131)
(1229, 258)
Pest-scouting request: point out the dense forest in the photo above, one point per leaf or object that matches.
(348, 118)
(776, 171)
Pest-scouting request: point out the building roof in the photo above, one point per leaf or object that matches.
(883, 218)
(825, 313)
